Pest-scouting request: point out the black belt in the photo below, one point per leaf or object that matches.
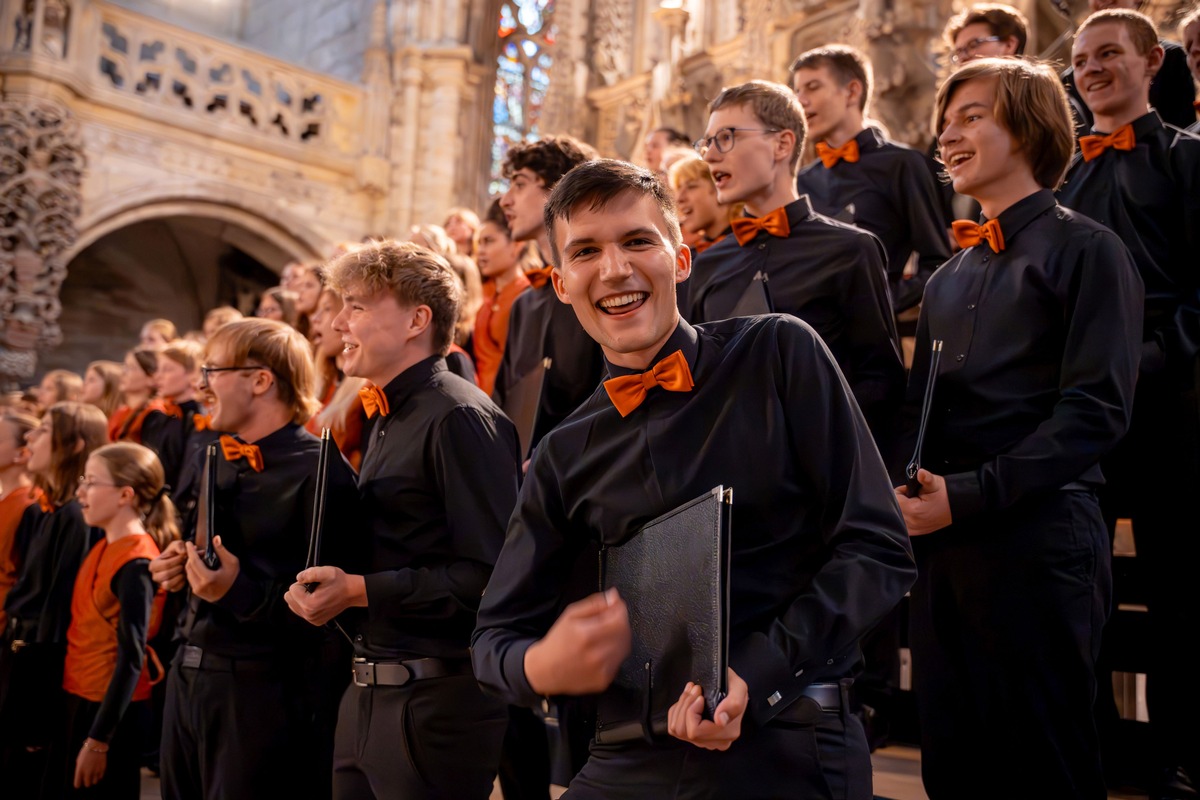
(399, 673)
(197, 658)
(827, 695)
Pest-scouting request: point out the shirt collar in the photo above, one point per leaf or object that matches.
(869, 139)
(1018, 216)
(684, 338)
(404, 384)
(1143, 126)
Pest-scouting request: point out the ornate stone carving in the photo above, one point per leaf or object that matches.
(899, 40)
(51, 33)
(41, 170)
(612, 37)
(757, 25)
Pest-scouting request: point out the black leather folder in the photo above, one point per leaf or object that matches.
(674, 576)
(523, 401)
(755, 300)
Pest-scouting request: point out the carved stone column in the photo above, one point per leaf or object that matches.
(41, 170)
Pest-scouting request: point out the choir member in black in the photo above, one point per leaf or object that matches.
(539, 326)
(1189, 34)
(863, 178)
(1137, 178)
(168, 427)
(51, 542)
(1172, 92)
(818, 546)
(437, 485)
(244, 695)
(829, 274)
(1039, 315)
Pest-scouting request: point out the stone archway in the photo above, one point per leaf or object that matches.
(174, 259)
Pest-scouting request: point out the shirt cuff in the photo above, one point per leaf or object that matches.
(965, 496)
(772, 682)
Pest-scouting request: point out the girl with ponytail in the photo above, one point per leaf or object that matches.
(115, 609)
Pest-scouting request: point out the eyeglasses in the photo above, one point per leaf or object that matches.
(961, 54)
(725, 138)
(91, 483)
(206, 371)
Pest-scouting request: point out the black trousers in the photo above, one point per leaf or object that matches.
(1153, 477)
(122, 774)
(435, 738)
(246, 732)
(805, 753)
(1006, 618)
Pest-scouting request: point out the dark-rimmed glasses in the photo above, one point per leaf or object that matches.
(205, 371)
(725, 138)
(961, 54)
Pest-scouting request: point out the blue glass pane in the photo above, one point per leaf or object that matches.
(544, 61)
(508, 23)
(530, 48)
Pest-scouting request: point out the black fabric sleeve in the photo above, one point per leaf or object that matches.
(135, 591)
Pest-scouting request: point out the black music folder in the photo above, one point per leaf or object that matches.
(318, 520)
(206, 519)
(523, 402)
(755, 300)
(674, 576)
(914, 464)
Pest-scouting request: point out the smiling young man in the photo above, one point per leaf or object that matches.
(818, 551)
(862, 177)
(1171, 89)
(1014, 581)
(244, 707)
(826, 273)
(540, 327)
(1140, 179)
(437, 485)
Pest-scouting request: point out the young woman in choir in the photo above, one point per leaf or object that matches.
(137, 390)
(102, 386)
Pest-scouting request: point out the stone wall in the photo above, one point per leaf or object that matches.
(328, 36)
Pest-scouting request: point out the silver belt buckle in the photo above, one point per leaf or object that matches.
(366, 669)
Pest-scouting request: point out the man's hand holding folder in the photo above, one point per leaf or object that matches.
(583, 650)
(685, 719)
(930, 510)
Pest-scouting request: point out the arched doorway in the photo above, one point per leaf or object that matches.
(176, 265)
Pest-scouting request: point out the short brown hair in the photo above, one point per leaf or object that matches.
(164, 327)
(1031, 104)
(1190, 18)
(1142, 32)
(844, 62)
(72, 425)
(774, 104)
(549, 158)
(598, 184)
(1003, 21)
(281, 349)
(415, 277)
(67, 385)
(186, 353)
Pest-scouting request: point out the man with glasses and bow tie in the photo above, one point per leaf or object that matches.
(784, 257)
(818, 552)
(248, 711)
(437, 484)
(1039, 316)
(1142, 180)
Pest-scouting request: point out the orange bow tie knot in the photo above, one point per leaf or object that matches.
(374, 401)
(172, 409)
(1120, 139)
(233, 450)
(775, 223)
(45, 504)
(628, 391)
(202, 422)
(832, 155)
(969, 234)
(539, 277)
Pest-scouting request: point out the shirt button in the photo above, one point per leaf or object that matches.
(985, 259)
(762, 246)
(381, 434)
(971, 307)
(830, 661)
(959, 357)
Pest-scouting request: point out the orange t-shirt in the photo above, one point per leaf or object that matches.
(12, 508)
(491, 329)
(92, 637)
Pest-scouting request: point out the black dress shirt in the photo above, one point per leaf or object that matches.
(819, 549)
(168, 436)
(264, 518)
(541, 326)
(831, 276)
(51, 547)
(1039, 359)
(437, 486)
(1150, 197)
(1172, 91)
(890, 192)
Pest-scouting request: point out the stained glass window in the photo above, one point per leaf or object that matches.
(526, 32)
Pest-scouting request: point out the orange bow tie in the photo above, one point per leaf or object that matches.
(1120, 139)
(172, 409)
(233, 450)
(539, 277)
(969, 234)
(775, 223)
(831, 155)
(45, 504)
(202, 422)
(628, 391)
(704, 244)
(374, 401)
